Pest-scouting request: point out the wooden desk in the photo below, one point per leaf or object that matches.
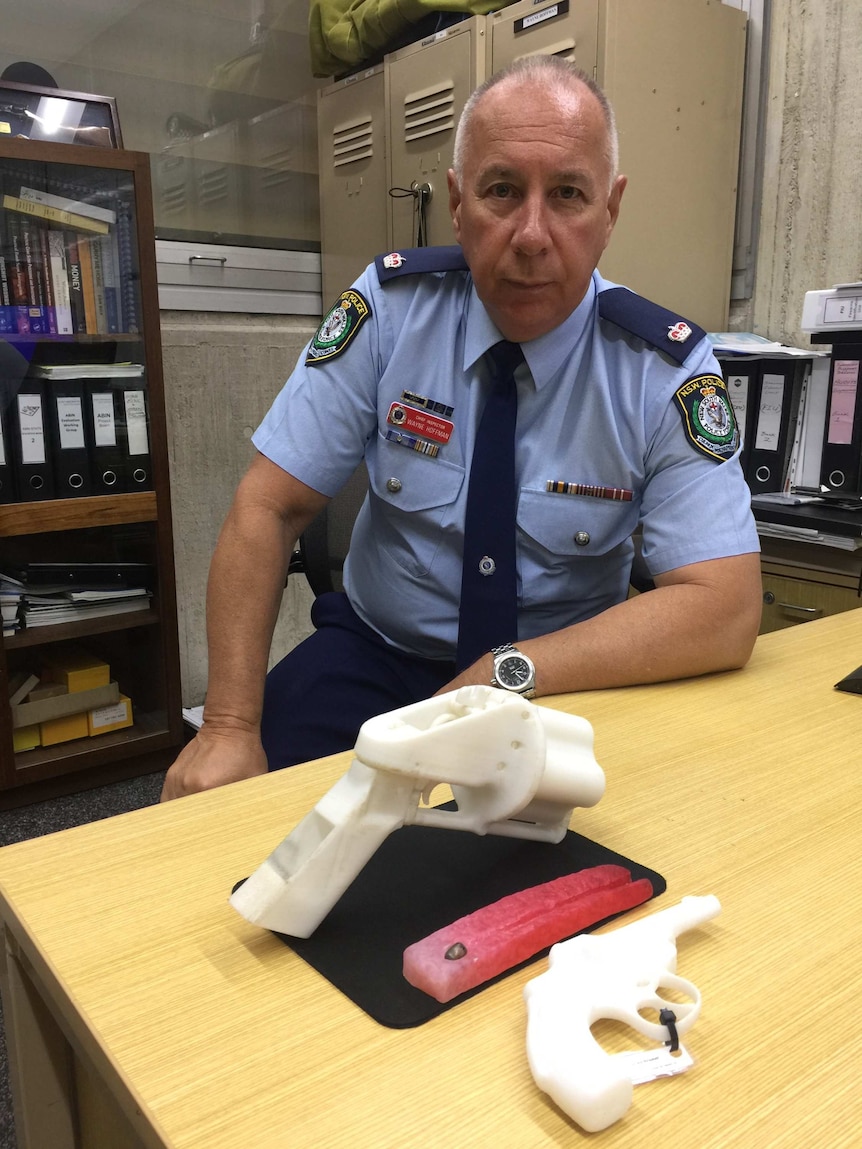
(142, 1008)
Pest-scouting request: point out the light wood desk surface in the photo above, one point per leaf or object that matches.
(212, 1034)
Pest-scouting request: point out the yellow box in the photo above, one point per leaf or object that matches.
(116, 716)
(64, 729)
(26, 738)
(77, 669)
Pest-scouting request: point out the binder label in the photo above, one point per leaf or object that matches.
(768, 431)
(136, 422)
(70, 422)
(32, 429)
(707, 416)
(845, 380)
(104, 426)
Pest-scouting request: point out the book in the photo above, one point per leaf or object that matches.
(32, 248)
(76, 291)
(54, 214)
(95, 247)
(76, 207)
(85, 262)
(106, 247)
(59, 276)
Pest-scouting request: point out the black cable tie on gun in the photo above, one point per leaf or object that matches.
(668, 1017)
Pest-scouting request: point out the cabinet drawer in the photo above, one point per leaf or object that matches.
(787, 601)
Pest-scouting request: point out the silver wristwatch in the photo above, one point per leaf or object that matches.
(513, 670)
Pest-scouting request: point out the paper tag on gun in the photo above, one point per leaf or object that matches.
(644, 1065)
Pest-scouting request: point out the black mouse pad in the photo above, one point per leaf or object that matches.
(418, 881)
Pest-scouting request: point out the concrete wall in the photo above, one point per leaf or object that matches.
(221, 374)
(811, 215)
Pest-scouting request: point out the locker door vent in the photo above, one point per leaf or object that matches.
(428, 112)
(352, 142)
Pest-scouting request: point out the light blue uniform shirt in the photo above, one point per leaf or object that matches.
(597, 406)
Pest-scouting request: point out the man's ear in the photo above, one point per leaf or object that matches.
(454, 202)
(614, 199)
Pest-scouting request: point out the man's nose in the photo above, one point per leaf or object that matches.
(531, 235)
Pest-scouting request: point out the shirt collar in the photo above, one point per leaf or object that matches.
(544, 355)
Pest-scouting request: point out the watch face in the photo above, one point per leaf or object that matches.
(514, 671)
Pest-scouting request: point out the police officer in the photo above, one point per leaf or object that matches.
(623, 422)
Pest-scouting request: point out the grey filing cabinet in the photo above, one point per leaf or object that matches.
(673, 70)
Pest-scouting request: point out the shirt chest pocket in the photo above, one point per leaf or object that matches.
(414, 497)
(573, 526)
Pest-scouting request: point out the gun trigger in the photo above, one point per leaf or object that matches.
(668, 1017)
(425, 797)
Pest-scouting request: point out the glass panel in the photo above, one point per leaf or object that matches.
(73, 383)
(219, 92)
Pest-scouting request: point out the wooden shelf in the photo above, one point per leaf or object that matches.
(44, 635)
(141, 647)
(75, 514)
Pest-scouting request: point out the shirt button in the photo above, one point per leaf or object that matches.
(393, 485)
(582, 538)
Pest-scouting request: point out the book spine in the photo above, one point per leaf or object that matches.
(106, 245)
(76, 292)
(60, 280)
(54, 214)
(36, 290)
(86, 264)
(46, 278)
(95, 247)
(18, 286)
(129, 277)
(77, 207)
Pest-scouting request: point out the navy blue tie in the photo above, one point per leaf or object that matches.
(488, 614)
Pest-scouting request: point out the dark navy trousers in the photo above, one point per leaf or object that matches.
(319, 695)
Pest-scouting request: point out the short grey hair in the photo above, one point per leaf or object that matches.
(552, 71)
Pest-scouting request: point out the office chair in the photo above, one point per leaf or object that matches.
(323, 544)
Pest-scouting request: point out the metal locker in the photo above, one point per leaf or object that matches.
(281, 173)
(427, 85)
(351, 127)
(673, 70)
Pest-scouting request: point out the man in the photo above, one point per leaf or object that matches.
(622, 422)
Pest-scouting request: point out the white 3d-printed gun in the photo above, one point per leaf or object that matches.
(611, 975)
(515, 769)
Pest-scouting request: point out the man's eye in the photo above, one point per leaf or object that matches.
(567, 191)
(501, 191)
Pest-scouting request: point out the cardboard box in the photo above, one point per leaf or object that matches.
(114, 717)
(64, 729)
(26, 738)
(77, 669)
(26, 713)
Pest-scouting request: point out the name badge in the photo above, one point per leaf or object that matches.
(421, 423)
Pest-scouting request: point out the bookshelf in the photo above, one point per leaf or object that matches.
(84, 466)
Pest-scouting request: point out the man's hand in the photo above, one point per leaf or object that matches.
(213, 759)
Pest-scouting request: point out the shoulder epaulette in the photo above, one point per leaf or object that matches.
(660, 328)
(419, 261)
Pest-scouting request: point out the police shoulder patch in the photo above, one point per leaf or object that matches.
(707, 416)
(339, 328)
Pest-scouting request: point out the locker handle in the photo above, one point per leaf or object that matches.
(222, 259)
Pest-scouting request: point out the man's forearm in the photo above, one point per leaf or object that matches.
(245, 588)
(679, 630)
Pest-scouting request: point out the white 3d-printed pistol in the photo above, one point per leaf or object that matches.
(515, 769)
